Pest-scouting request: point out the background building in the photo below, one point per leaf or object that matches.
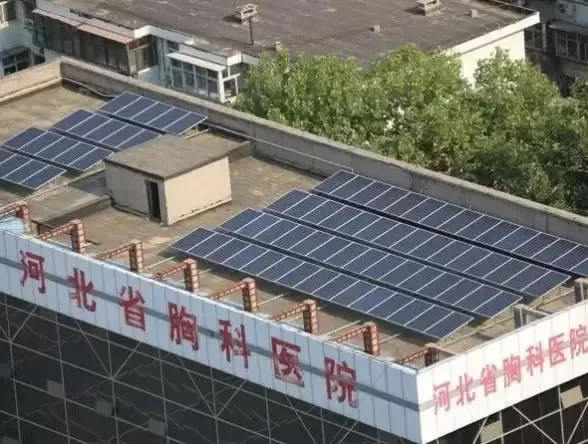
(110, 372)
(204, 49)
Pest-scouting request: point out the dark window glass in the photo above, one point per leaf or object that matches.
(41, 408)
(32, 434)
(83, 350)
(137, 407)
(333, 433)
(3, 322)
(187, 426)
(86, 388)
(136, 369)
(294, 403)
(27, 365)
(8, 427)
(292, 427)
(229, 434)
(7, 398)
(129, 434)
(90, 426)
(188, 389)
(10, 11)
(241, 408)
(33, 332)
(188, 364)
(235, 381)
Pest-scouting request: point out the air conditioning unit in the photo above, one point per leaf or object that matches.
(29, 23)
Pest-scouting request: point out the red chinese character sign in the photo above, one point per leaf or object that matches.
(341, 382)
(33, 269)
(287, 367)
(81, 290)
(183, 325)
(133, 305)
(234, 341)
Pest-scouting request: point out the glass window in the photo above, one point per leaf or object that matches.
(143, 54)
(7, 11)
(172, 46)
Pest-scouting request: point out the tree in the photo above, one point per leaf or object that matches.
(511, 130)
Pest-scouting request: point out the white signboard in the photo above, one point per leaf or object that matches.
(273, 355)
(503, 372)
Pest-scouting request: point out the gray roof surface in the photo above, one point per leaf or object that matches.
(169, 156)
(340, 27)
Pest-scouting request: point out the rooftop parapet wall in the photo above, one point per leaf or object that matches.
(323, 156)
(30, 80)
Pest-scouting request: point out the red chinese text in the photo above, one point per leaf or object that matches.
(578, 341)
(82, 290)
(556, 350)
(134, 307)
(488, 379)
(234, 342)
(286, 364)
(465, 393)
(511, 368)
(535, 358)
(341, 382)
(33, 268)
(442, 397)
(182, 326)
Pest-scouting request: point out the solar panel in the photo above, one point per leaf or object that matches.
(422, 317)
(472, 226)
(422, 245)
(25, 172)
(103, 131)
(367, 263)
(57, 149)
(152, 114)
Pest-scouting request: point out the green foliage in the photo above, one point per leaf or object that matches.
(511, 131)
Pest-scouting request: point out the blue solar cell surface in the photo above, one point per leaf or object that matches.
(469, 225)
(152, 114)
(396, 272)
(57, 149)
(103, 131)
(398, 309)
(26, 172)
(425, 246)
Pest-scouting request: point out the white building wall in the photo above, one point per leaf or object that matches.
(514, 44)
(510, 38)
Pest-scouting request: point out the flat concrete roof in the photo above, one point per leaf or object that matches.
(339, 27)
(255, 183)
(170, 156)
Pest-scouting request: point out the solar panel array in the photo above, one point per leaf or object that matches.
(25, 172)
(459, 222)
(384, 251)
(419, 316)
(57, 149)
(412, 242)
(152, 114)
(395, 272)
(103, 131)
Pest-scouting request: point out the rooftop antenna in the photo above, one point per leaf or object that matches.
(246, 13)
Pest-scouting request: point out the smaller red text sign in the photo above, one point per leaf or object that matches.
(536, 360)
(286, 362)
